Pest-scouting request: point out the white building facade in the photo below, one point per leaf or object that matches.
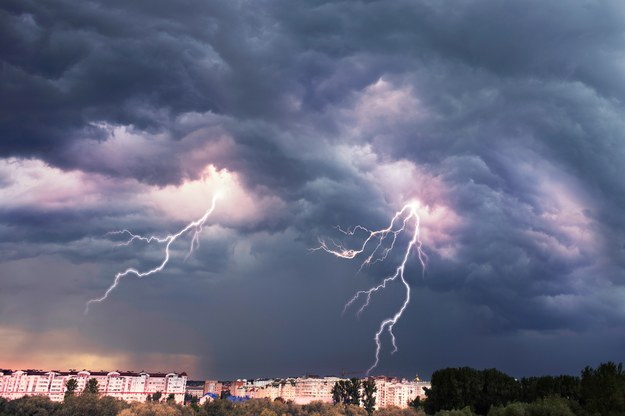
(128, 386)
(396, 392)
(301, 390)
(304, 390)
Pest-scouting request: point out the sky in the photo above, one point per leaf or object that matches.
(504, 121)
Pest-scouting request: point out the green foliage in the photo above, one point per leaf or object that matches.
(452, 388)
(190, 399)
(70, 387)
(341, 392)
(156, 409)
(466, 411)
(219, 407)
(396, 411)
(534, 388)
(91, 405)
(280, 408)
(603, 389)
(417, 403)
(368, 397)
(497, 389)
(457, 388)
(156, 397)
(353, 391)
(338, 392)
(91, 387)
(513, 409)
(29, 406)
(347, 392)
(547, 406)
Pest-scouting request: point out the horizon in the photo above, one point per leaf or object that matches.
(283, 377)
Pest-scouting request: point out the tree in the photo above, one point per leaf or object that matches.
(91, 387)
(347, 392)
(155, 409)
(341, 392)
(603, 389)
(218, 407)
(548, 406)
(497, 389)
(156, 397)
(70, 387)
(416, 403)
(91, 405)
(453, 388)
(569, 387)
(458, 388)
(352, 389)
(171, 398)
(396, 411)
(338, 392)
(31, 406)
(368, 397)
(466, 411)
(534, 388)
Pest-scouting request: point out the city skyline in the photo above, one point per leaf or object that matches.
(498, 127)
(143, 387)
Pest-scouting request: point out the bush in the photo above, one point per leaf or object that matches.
(463, 412)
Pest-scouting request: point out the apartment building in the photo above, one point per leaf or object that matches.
(129, 386)
(396, 392)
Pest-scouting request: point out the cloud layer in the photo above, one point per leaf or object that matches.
(505, 120)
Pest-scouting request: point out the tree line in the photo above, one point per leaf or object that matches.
(92, 405)
(467, 391)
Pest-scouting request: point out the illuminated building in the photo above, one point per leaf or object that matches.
(128, 386)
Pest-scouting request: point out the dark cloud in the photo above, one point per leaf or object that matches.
(508, 116)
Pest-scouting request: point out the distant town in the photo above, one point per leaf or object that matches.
(452, 391)
(175, 387)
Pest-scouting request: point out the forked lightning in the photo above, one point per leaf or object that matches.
(384, 242)
(196, 228)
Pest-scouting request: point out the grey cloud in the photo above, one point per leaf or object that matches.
(511, 97)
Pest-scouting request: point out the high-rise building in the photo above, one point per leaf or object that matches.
(396, 392)
(128, 386)
(304, 390)
(213, 386)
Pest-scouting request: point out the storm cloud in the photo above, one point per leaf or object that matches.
(503, 119)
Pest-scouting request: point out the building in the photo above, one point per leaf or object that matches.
(195, 389)
(396, 392)
(304, 390)
(213, 387)
(314, 389)
(238, 388)
(129, 386)
(300, 390)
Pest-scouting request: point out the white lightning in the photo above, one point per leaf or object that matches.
(386, 239)
(197, 227)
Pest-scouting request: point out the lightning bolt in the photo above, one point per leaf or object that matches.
(195, 226)
(383, 242)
